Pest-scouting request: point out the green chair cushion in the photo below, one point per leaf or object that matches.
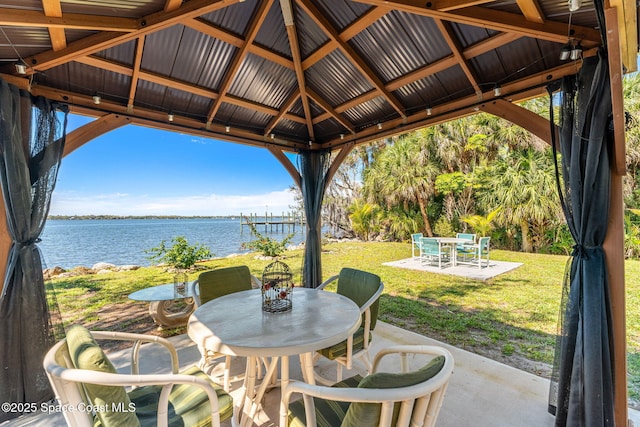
(340, 349)
(329, 413)
(188, 404)
(85, 353)
(359, 286)
(368, 414)
(223, 281)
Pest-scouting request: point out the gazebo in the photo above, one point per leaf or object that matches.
(314, 77)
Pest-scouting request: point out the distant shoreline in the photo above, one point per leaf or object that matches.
(87, 217)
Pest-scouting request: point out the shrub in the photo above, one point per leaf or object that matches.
(181, 255)
(266, 245)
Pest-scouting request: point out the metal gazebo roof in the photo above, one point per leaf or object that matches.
(295, 73)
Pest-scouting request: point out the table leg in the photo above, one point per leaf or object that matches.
(162, 314)
(252, 398)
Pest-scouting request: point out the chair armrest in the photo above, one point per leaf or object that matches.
(255, 282)
(327, 282)
(138, 340)
(166, 380)
(195, 291)
(373, 298)
(404, 350)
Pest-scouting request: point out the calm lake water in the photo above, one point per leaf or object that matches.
(70, 243)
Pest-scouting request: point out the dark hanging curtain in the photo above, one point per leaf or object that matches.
(314, 166)
(582, 380)
(32, 135)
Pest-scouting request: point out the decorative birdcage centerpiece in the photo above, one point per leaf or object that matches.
(277, 288)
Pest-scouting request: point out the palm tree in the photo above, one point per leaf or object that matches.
(482, 224)
(404, 173)
(522, 183)
(362, 216)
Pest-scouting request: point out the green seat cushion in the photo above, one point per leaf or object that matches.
(188, 404)
(368, 414)
(359, 286)
(85, 353)
(340, 349)
(329, 413)
(223, 281)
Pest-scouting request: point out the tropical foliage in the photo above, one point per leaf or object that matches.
(453, 176)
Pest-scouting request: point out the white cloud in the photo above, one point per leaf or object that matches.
(71, 203)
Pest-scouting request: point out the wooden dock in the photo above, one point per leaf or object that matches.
(271, 223)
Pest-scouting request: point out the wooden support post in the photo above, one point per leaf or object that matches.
(614, 240)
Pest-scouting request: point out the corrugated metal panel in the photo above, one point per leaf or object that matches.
(123, 53)
(23, 4)
(193, 55)
(186, 104)
(329, 128)
(121, 8)
(342, 13)
(468, 35)
(214, 68)
(435, 89)
(424, 34)
(315, 108)
(161, 49)
(336, 79)
(390, 50)
(263, 81)
(27, 41)
(291, 130)
(297, 108)
(370, 112)
(234, 18)
(273, 33)
(73, 35)
(516, 60)
(88, 81)
(310, 36)
(151, 95)
(251, 120)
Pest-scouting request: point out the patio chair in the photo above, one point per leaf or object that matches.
(465, 250)
(415, 245)
(364, 289)
(84, 379)
(431, 250)
(214, 284)
(380, 399)
(481, 252)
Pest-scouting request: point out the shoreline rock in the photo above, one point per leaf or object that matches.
(98, 268)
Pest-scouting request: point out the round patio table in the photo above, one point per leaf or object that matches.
(162, 300)
(236, 325)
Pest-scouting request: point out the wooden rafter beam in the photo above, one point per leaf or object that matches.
(446, 5)
(456, 50)
(283, 111)
(332, 112)
(351, 55)
(352, 30)
(495, 20)
(489, 44)
(294, 47)
(104, 40)
(32, 18)
(56, 35)
(531, 10)
(135, 75)
(254, 26)
(92, 130)
(172, 5)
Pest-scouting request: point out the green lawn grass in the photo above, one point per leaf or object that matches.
(511, 318)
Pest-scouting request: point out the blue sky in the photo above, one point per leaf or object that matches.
(141, 171)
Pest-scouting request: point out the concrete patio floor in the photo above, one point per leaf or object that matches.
(482, 392)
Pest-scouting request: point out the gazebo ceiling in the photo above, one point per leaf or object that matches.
(295, 73)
